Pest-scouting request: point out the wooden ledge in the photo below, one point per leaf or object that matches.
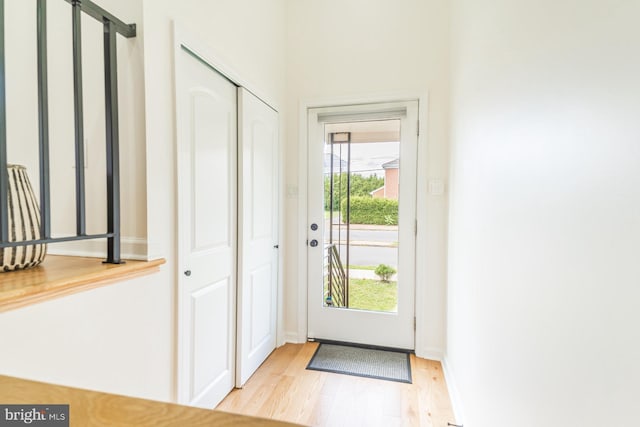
(64, 275)
(92, 408)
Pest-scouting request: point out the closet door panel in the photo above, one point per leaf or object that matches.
(207, 224)
(257, 233)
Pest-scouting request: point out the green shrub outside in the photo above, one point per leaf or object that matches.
(385, 272)
(369, 210)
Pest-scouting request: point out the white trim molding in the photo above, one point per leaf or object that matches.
(432, 353)
(134, 248)
(184, 38)
(293, 337)
(454, 394)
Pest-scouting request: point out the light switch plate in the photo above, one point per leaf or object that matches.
(292, 191)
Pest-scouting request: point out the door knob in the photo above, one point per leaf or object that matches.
(313, 243)
(187, 273)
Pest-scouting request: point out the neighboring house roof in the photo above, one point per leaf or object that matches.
(393, 164)
(371, 193)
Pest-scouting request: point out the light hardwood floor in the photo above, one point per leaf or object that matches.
(283, 389)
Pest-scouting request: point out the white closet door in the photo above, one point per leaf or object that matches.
(207, 224)
(258, 233)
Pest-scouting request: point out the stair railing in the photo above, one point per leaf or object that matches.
(112, 27)
(337, 280)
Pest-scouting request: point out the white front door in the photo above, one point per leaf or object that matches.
(362, 164)
(257, 232)
(207, 224)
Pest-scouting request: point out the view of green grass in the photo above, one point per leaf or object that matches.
(368, 294)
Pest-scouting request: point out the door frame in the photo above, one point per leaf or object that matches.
(421, 284)
(182, 37)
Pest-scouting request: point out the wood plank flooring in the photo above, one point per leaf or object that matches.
(283, 389)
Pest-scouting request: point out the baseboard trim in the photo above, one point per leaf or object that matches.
(454, 394)
(292, 338)
(133, 248)
(431, 353)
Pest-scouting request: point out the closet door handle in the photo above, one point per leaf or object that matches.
(187, 273)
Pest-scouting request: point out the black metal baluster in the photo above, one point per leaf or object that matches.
(331, 181)
(98, 13)
(43, 121)
(78, 115)
(113, 152)
(346, 304)
(4, 178)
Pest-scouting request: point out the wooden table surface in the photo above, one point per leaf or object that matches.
(91, 408)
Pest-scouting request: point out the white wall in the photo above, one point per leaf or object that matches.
(543, 261)
(121, 338)
(338, 49)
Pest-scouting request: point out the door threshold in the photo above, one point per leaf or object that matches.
(360, 345)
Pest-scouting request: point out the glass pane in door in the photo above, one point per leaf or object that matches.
(361, 188)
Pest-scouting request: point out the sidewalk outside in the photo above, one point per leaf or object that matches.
(367, 274)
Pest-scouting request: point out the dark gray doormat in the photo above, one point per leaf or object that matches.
(362, 362)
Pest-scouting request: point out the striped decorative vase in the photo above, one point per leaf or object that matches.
(24, 223)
